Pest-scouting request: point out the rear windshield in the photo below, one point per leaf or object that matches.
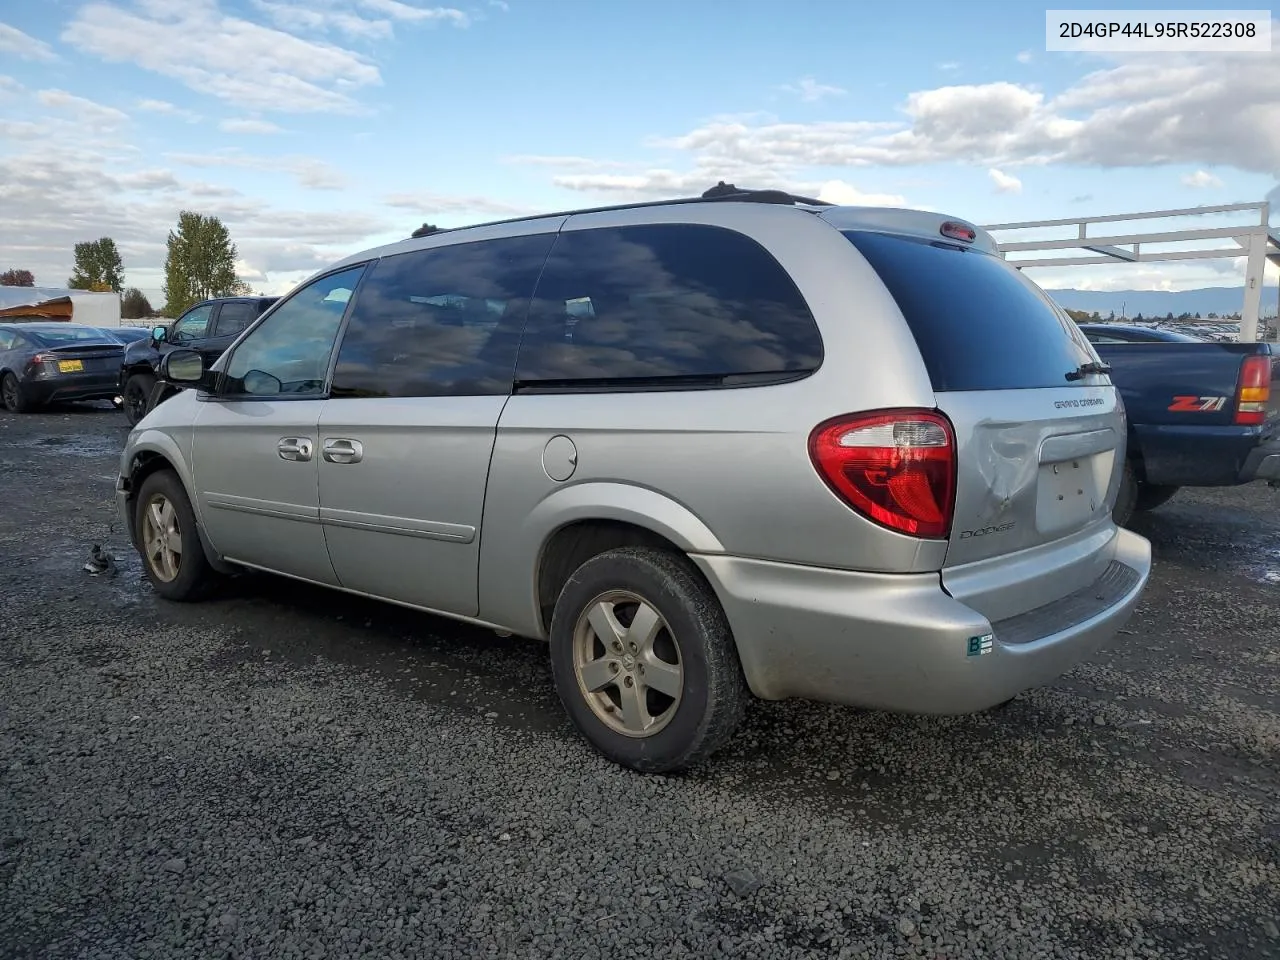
(52, 336)
(979, 324)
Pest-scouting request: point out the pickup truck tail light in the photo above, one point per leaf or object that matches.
(895, 467)
(1254, 391)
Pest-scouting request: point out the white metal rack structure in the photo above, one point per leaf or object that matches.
(1256, 240)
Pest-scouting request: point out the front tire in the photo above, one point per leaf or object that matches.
(644, 660)
(137, 390)
(15, 399)
(169, 541)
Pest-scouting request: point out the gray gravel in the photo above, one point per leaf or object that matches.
(287, 773)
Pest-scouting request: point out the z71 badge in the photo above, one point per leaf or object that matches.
(1197, 404)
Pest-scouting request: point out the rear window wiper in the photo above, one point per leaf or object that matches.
(1093, 366)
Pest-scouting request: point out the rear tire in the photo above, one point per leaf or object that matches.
(15, 398)
(137, 390)
(1150, 496)
(1127, 498)
(644, 660)
(169, 540)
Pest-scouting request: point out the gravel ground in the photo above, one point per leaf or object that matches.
(289, 773)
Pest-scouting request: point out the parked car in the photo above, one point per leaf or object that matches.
(56, 361)
(1201, 413)
(706, 448)
(208, 328)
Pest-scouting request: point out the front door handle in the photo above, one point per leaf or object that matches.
(294, 448)
(341, 450)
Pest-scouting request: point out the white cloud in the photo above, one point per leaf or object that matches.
(308, 171)
(168, 109)
(500, 4)
(311, 17)
(248, 64)
(847, 195)
(82, 110)
(404, 11)
(1004, 182)
(23, 46)
(247, 125)
(1138, 112)
(1024, 57)
(1200, 180)
(810, 91)
(434, 204)
(950, 66)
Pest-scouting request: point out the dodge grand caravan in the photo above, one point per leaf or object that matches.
(740, 444)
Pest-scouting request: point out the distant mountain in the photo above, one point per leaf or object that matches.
(1159, 303)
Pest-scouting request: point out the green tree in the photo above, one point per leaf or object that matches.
(98, 266)
(200, 263)
(134, 305)
(17, 278)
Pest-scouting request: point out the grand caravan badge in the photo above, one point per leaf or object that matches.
(1083, 402)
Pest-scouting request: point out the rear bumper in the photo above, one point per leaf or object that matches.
(1196, 456)
(72, 386)
(1263, 463)
(902, 643)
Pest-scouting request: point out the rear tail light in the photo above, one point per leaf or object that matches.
(44, 358)
(896, 467)
(1254, 391)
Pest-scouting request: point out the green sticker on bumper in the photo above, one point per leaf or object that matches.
(980, 646)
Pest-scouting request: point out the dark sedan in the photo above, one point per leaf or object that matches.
(43, 363)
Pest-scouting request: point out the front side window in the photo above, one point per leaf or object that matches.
(288, 354)
(440, 322)
(192, 325)
(665, 302)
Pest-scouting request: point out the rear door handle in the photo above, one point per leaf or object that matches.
(294, 448)
(342, 450)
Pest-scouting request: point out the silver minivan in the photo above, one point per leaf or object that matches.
(740, 444)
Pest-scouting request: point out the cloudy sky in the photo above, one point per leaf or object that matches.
(315, 128)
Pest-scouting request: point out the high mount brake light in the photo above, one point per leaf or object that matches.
(1254, 391)
(895, 467)
(958, 231)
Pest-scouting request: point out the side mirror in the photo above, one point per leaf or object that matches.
(182, 366)
(158, 334)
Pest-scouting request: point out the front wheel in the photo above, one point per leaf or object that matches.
(169, 542)
(644, 661)
(137, 390)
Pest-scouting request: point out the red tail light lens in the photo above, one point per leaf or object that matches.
(896, 467)
(1254, 391)
(958, 231)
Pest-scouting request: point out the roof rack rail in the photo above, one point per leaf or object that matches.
(727, 191)
(720, 192)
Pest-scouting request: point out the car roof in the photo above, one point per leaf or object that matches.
(919, 223)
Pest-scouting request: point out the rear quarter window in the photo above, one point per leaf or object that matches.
(665, 303)
(978, 322)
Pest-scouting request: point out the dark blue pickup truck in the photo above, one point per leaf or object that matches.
(1201, 414)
